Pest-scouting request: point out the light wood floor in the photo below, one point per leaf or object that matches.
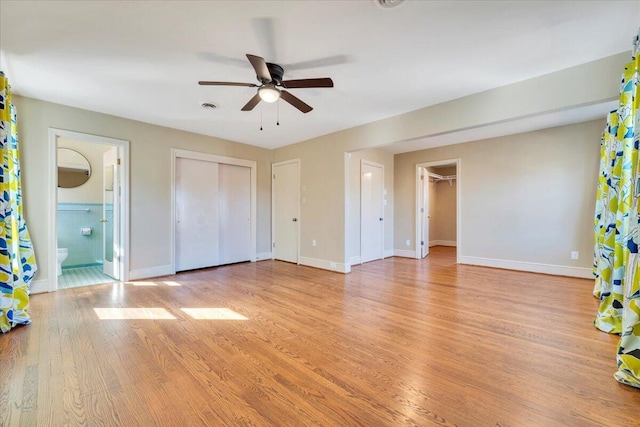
(395, 343)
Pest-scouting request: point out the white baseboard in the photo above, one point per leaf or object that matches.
(405, 253)
(443, 243)
(145, 273)
(354, 260)
(324, 264)
(534, 267)
(39, 286)
(261, 256)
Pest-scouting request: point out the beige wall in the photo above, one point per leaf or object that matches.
(323, 167)
(90, 191)
(150, 172)
(525, 198)
(445, 212)
(383, 158)
(323, 159)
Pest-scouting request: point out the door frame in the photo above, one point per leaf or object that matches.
(214, 158)
(418, 197)
(381, 166)
(52, 241)
(273, 206)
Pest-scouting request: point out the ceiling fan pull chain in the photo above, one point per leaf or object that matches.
(260, 117)
(278, 110)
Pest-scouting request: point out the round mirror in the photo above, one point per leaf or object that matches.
(73, 168)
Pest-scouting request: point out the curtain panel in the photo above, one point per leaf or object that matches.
(17, 259)
(616, 262)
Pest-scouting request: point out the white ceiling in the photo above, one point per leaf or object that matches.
(142, 59)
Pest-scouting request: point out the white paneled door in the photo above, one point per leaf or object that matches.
(234, 208)
(371, 211)
(196, 214)
(286, 210)
(110, 214)
(424, 212)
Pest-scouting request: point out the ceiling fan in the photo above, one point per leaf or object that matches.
(271, 86)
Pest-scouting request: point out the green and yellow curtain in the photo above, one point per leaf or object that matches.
(617, 214)
(17, 260)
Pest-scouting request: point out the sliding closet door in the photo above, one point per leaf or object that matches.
(234, 192)
(196, 214)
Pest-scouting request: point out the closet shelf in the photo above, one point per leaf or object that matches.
(437, 178)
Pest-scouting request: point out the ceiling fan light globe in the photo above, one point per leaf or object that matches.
(269, 93)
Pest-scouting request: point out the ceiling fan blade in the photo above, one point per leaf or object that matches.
(204, 83)
(295, 101)
(252, 103)
(260, 66)
(294, 84)
(320, 62)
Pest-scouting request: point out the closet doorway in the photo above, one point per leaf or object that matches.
(437, 202)
(214, 201)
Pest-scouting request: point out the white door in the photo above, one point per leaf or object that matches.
(234, 210)
(196, 214)
(424, 213)
(371, 212)
(110, 214)
(286, 210)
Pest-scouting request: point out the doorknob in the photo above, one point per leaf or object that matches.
(294, 219)
(380, 219)
(104, 220)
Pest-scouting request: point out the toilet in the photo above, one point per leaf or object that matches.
(63, 253)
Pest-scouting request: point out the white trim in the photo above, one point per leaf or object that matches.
(347, 212)
(214, 158)
(273, 208)
(354, 260)
(123, 154)
(261, 256)
(145, 273)
(362, 233)
(418, 223)
(387, 253)
(39, 286)
(324, 264)
(534, 267)
(405, 253)
(442, 243)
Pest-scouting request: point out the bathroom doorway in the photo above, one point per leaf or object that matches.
(89, 204)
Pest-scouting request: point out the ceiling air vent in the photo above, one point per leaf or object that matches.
(388, 4)
(209, 105)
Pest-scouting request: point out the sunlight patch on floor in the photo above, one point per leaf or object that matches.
(142, 283)
(133, 313)
(172, 283)
(213, 314)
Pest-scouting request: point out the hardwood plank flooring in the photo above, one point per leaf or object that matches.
(397, 342)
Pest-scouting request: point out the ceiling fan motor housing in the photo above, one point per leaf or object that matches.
(276, 71)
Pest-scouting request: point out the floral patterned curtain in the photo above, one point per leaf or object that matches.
(616, 262)
(17, 260)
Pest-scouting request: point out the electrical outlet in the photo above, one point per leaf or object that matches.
(575, 255)
(313, 242)
(408, 242)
